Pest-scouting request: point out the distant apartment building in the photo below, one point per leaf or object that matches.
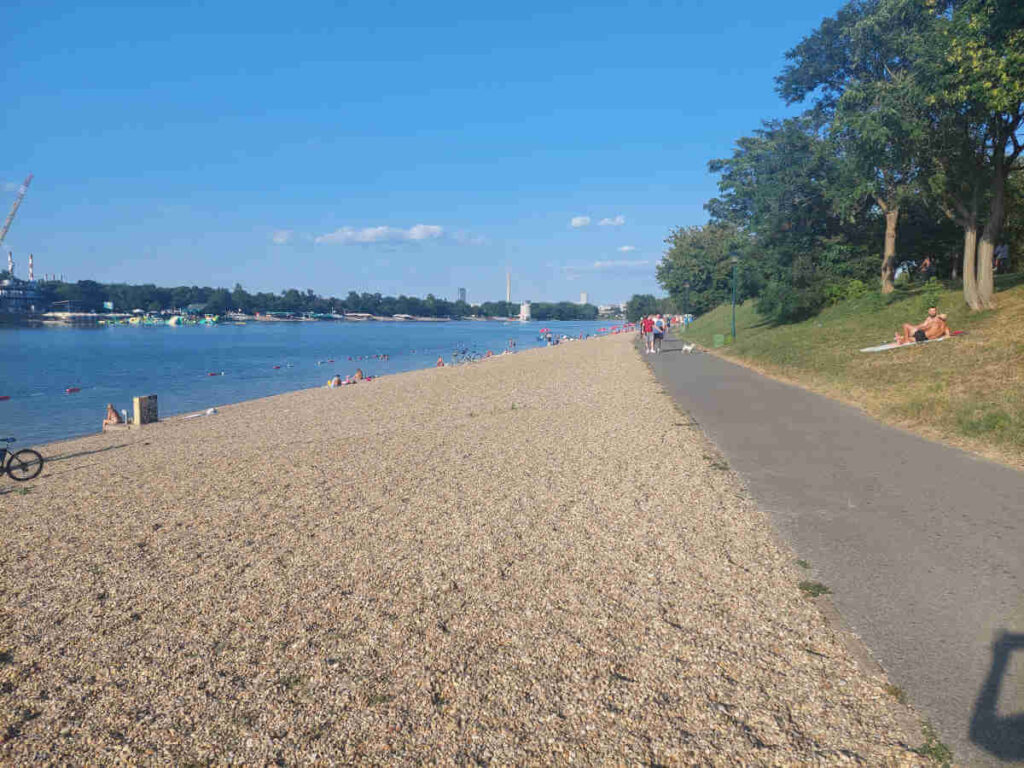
(524, 311)
(584, 297)
(462, 295)
(611, 310)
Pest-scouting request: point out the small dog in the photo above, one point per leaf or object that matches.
(688, 348)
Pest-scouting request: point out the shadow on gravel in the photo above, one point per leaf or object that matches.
(65, 456)
(1003, 736)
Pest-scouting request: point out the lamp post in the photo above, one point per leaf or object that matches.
(735, 260)
(686, 303)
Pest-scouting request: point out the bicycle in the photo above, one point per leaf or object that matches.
(23, 465)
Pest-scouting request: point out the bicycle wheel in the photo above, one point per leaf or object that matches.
(24, 465)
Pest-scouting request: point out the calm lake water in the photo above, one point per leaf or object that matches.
(111, 365)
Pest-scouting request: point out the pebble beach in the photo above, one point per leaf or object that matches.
(534, 559)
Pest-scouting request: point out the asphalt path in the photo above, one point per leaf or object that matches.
(922, 544)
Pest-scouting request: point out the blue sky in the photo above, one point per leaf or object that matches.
(401, 147)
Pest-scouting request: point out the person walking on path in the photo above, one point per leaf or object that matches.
(659, 332)
(647, 330)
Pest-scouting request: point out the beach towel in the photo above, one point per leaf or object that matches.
(894, 345)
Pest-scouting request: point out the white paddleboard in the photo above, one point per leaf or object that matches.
(894, 345)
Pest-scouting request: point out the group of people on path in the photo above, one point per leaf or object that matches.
(653, 329)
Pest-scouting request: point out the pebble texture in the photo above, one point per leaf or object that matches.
(533, 559)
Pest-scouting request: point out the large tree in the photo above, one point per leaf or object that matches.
(981, 87)
(697, 271)
(775, 190)
(859, 68)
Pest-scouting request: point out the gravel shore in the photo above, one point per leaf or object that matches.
(535, 560)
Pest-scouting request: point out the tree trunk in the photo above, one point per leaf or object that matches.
(970, 254)
(986, 287)
(892, 215)
(989, 237)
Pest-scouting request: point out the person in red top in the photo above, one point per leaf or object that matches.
(647, 329)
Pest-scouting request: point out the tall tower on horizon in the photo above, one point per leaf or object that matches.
(584, 297)
(31, 268)
(508, 287)
(462, 295)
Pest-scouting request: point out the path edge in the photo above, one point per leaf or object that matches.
(907, 716)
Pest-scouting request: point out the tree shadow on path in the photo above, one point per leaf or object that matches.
(1003, 736)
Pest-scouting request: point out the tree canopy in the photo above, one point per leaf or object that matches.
(912, 131)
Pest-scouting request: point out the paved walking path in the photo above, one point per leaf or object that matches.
(922, 544)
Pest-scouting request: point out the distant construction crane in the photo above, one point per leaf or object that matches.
(14, 208)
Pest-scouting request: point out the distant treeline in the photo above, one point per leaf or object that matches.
(642, 304)
(908, 159)
(89, 296)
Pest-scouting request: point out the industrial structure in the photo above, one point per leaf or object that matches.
(14, 208)
(18, 297)
(508, 287)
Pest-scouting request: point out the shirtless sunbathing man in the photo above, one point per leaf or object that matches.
(909, 330)
(933, 327)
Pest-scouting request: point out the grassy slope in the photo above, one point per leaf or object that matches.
(968, 391)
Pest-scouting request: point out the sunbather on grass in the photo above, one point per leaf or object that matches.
(934, 327)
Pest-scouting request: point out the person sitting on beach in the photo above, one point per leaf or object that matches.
(335, 382)
(113, 417)
(358, 376)
(440, 362)
(933, 328)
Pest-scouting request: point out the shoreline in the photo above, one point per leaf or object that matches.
(92, 321)
(456, 564)
(201, 413)
(58, 385)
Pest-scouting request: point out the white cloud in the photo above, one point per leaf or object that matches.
(579, 221)
(351, 235)
(618, 221)
(9, 186)
(423, 232)
(626, 248)
(281, 236)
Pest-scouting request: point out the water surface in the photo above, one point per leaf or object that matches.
(111, 365)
